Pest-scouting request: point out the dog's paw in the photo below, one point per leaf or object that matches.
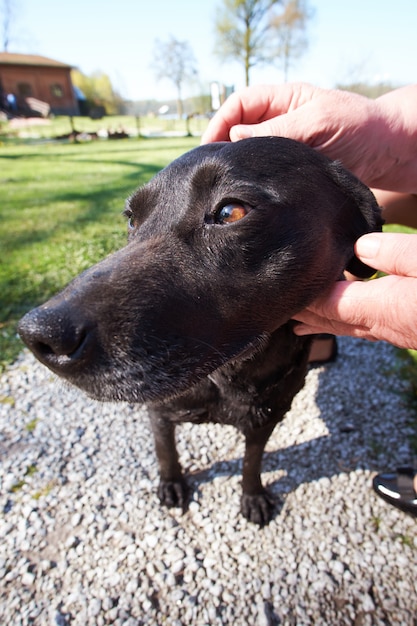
(257, 508)
(173, 493)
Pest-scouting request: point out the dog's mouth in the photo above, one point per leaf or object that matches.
(155, 376)
(112, 366)
(164, 375)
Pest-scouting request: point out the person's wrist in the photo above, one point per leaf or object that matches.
(399, 135)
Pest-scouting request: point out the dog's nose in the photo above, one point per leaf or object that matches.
(56, 339)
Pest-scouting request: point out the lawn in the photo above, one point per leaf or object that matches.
(60, 211)
(61, 205)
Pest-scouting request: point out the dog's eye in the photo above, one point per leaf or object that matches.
(231, 213)
(130, 219)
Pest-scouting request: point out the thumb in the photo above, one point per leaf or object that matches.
(294, 125)
(279, 126)
(393, 253)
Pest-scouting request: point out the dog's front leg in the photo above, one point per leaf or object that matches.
(256, 504)
(172, 490)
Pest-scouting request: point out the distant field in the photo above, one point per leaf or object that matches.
(25, 131)
(60, 211)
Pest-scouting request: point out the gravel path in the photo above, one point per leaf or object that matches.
(85, 542)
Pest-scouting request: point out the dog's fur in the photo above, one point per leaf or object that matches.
(193, 315)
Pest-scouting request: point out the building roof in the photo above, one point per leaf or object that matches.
(11, 58)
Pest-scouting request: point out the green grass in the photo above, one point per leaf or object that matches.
(61, 125)
(60, 211)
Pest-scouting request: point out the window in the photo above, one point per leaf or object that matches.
(57, 90)
(24, 90)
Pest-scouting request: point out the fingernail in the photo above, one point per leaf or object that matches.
(242, 132)
(367, 247)
(300, 330)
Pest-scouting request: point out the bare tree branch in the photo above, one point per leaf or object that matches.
(175, 61)
(8, 14)
(255, 32)
(288, 33)
(241, 27)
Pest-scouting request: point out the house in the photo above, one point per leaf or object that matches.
(32, 83)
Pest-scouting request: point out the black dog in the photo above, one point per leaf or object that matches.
(193, 316)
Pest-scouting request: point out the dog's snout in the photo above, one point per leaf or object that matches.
(55, 338)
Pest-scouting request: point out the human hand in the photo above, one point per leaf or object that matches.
(380, 309)
(370, 137)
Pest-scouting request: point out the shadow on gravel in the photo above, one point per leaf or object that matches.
(360, 406)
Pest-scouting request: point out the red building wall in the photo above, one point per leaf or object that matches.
(32, 76)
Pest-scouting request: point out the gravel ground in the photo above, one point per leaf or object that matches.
(85, 542)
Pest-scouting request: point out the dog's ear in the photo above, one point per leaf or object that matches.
(364, 218)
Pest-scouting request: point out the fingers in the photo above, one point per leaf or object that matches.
(337, 312)
(257, 111)
(288, 125)
(247, 106)
(393, 253)
(381, 309)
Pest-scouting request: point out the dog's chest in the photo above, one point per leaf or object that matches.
(246, 395)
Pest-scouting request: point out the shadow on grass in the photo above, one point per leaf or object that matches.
(43, 254)
(179, 145)
(98, 202)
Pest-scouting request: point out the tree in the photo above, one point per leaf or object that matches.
(288, 32)
(241, 28)
(7, 12)
(255, 32)
(175, 61)
(98, 90)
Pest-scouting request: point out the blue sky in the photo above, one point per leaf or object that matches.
(370, 40)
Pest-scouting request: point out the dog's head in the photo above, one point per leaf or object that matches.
(225, 245)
